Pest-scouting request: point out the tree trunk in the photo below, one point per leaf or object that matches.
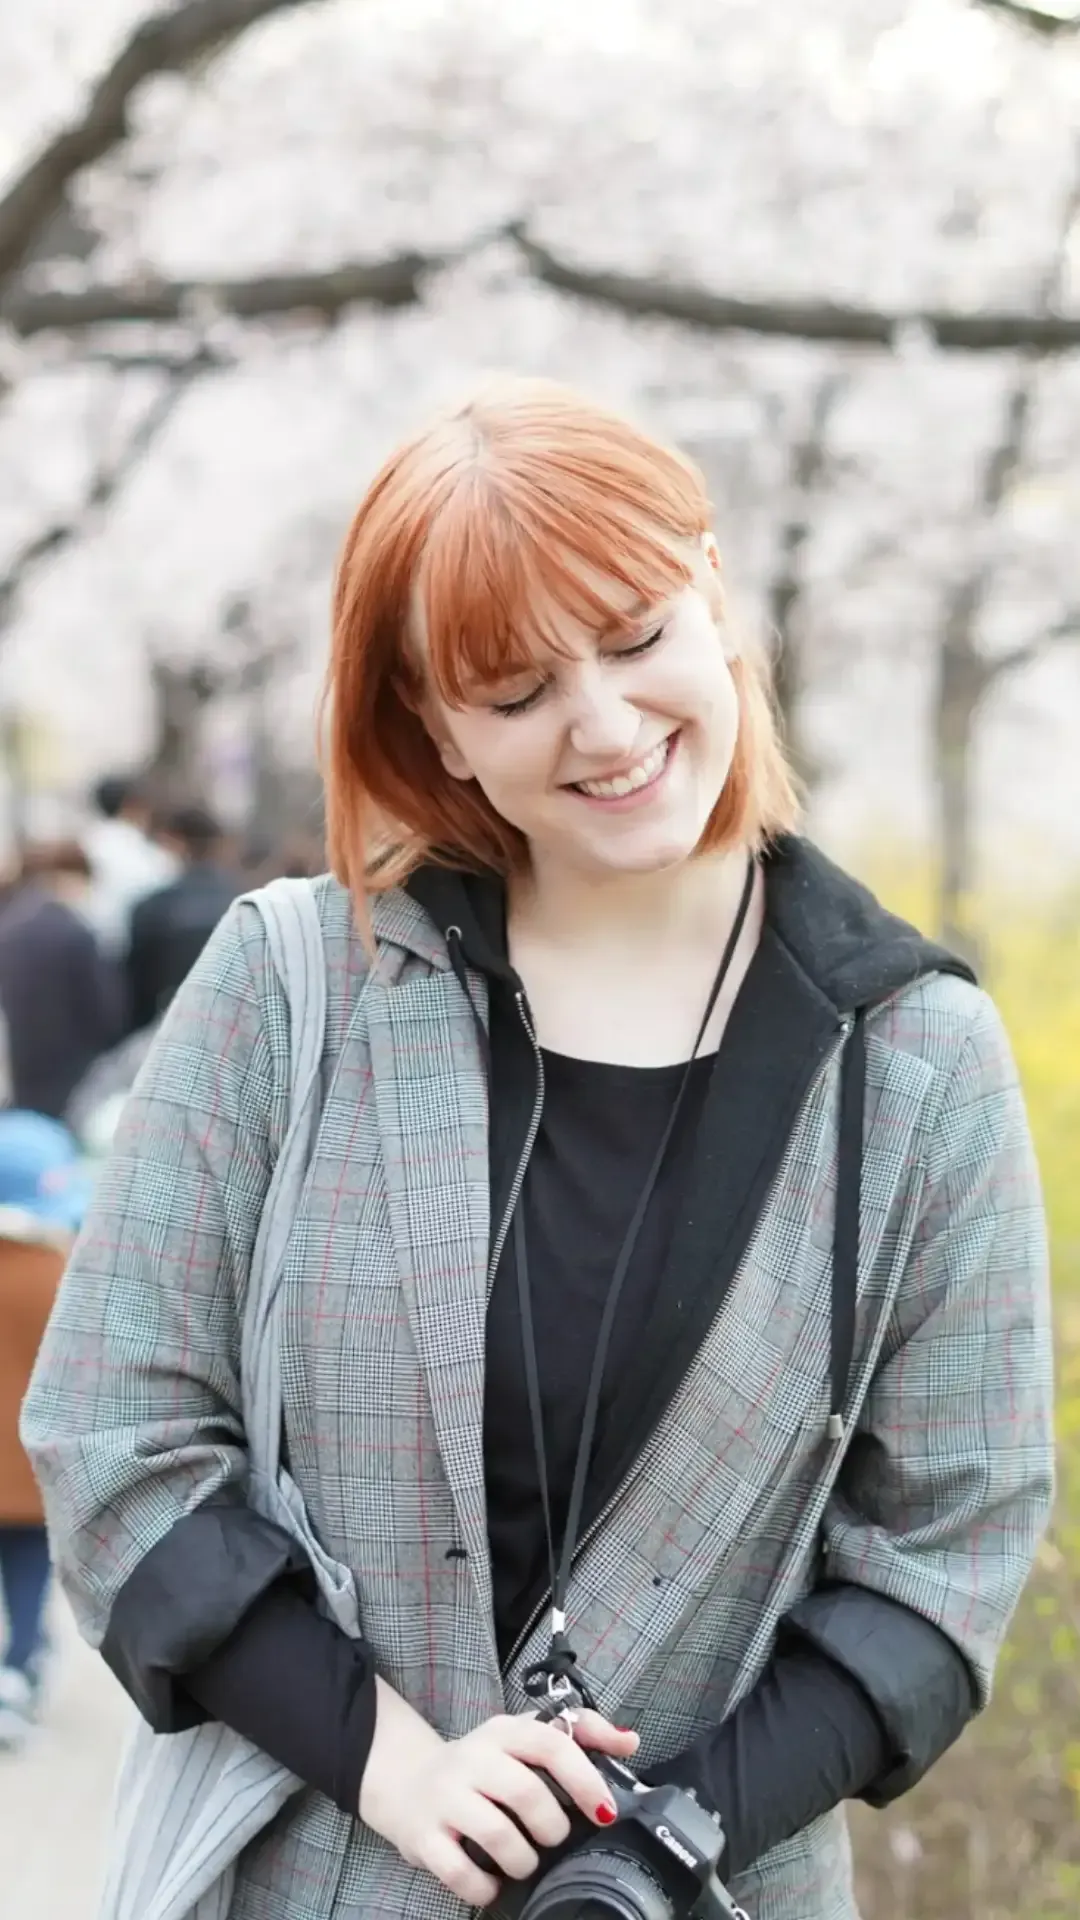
(808, 471)
(177, 771)
(964, 672)
(962, 681)
(789, 674)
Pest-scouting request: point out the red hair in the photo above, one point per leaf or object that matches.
(527, 496)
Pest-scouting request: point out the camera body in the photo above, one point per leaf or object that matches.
(657, 1861)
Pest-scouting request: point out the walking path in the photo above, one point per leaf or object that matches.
(55, 1795)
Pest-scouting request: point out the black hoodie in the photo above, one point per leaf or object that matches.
(828, 1720)
(828, 952)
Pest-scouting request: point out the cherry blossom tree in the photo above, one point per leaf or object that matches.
(242, 246)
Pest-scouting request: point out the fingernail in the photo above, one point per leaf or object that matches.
(606, 1813)
(626, 1730)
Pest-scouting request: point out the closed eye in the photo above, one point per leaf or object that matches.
(522, 705)
(640, 646)
(526, 700)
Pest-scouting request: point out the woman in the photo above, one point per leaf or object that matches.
(570, 925)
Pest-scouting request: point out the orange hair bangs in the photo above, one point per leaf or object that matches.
(526, 503)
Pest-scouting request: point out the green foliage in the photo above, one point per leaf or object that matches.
(994, 1832)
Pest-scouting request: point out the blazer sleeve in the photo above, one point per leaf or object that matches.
(133, 1418)
(948, 1481)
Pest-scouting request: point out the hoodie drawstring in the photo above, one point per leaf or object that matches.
(845, 1260)
(460, 971)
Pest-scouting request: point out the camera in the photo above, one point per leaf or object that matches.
(658, 1861)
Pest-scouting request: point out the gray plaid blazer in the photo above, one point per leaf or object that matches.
(738, 1505)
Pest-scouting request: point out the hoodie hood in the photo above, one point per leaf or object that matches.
(851, 950)
(470, 909)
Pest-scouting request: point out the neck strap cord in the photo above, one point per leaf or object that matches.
(559, 1665)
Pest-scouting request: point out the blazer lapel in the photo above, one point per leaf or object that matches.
(431, 1097)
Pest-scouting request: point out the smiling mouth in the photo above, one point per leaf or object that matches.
(643, 774)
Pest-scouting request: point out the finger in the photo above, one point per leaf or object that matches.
(544, 1746)
(592, 1730)
(528, 1796)
(477, 1818)
(443, 1857)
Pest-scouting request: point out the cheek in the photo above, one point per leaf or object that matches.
(703, 690)
(503, 758)
(524, 769)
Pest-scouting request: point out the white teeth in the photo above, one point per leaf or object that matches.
(638, 776)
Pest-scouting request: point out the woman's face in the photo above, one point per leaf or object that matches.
(611, 754)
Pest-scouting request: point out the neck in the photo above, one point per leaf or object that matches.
(693, 902)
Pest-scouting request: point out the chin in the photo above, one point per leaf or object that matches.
(659, 856)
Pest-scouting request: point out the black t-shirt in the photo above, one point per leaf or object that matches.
(599, 1131)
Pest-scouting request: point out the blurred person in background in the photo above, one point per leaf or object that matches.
(301, 857)
(170, 927)
(42, 1195)
(61, 996)
(295, 856)
(98, 1102)
(169, 930)
(126, 862)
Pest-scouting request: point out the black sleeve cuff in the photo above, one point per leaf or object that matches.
(804, 1740)
(292, 1682)
(920, 1684)
(186, 1596)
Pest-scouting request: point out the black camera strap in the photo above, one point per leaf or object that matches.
(559, 1663)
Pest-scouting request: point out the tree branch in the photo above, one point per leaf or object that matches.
(1025, 655)
(168, 41)
(398, 281)
(395, 282)
(1048, 20)
(815, 320)
(1067, 628)
(104, 486)
(205, 359)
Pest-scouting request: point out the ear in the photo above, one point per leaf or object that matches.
(713, 588)
(455, 763)
(433, 720)
(452, 757)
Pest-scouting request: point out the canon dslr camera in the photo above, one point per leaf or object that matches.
(658, 1861)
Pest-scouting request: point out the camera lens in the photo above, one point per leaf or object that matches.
(595, 1885)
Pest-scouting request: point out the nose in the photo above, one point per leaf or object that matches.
(603, 723)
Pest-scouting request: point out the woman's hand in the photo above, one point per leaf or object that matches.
(425, 1794)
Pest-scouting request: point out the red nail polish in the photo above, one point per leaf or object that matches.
(606, 1813)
